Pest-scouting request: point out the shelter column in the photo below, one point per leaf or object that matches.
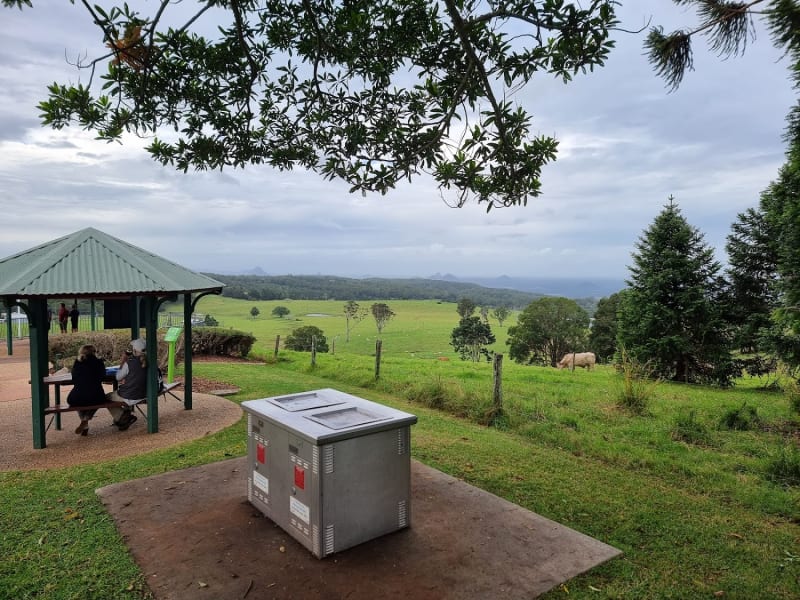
(151, 329)
(187, 350)
(40, 394)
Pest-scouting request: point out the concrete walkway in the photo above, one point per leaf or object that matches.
(209, 414)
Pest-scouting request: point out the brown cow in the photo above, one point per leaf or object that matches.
(585, 360)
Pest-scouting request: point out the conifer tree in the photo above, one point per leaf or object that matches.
(752, 275)
(603, 335)
(671, 314)
(780, 204)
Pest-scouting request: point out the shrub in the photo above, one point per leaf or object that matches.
(784, 469)
(224, 342)
(743, 418)
(791, 389)
(109, 343)
(301, 338)
(686, 428)
(638, 384)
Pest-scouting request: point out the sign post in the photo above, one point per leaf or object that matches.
(171, 337)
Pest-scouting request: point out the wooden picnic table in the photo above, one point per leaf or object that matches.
(59, 379)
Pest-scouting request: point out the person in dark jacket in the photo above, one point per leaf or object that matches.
(87, 385)
(132, 389)
(74, 315)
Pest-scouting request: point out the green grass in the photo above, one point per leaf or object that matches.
(710, 510)
(421, 328)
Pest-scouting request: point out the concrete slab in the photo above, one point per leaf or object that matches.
(195, 535)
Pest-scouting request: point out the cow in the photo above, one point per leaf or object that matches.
(582, 359)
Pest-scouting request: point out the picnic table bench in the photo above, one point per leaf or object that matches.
(59, 379)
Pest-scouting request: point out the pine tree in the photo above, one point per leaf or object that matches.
(603, 335)
(671, 315)
(781, 207)
(752, 274)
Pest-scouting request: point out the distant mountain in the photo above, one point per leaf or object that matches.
(547, 286)
(330, 287)
(254, 271)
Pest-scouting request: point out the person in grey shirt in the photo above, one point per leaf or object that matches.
(132, 389)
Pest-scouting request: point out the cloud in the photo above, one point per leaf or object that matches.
(625, 145)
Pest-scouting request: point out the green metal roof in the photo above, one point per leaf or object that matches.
(92, 263)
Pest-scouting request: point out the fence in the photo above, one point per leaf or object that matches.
(19, 323)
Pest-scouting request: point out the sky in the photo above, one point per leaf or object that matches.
(625, 145)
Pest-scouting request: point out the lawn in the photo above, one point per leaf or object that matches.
(419, 328)
(696, 508)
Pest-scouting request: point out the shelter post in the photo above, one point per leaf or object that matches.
(40, 394)
(187, 350)
(151, 320)
(9, 331)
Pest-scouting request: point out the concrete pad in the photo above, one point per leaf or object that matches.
(195, 535)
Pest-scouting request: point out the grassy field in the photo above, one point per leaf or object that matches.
(420, 328)
(698, 509)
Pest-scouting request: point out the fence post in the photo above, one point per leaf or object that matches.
(378, 345)
(313, 351)
(497, 396)
(277, 344)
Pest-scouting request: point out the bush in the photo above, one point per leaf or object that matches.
(109, 344)
(638, 384)
(301, 338)
(784, 469)
(221, 342)
(791, 389)
(743, 418)
(686, 428)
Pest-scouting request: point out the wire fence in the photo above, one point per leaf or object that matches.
(19, 323)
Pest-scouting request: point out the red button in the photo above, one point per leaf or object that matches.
(261, 453)
(299, 477)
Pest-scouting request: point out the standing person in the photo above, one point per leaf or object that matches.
(73, 316)
(87, 385)
(132, 378)
(63, 316)
(49, 317)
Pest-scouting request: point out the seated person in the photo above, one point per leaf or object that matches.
(87, 385)
(132, 378)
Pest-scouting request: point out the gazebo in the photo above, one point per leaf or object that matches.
(92, 264)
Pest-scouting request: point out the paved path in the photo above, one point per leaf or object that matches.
(209, 414)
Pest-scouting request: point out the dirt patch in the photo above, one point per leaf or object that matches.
(787, 429)
(208, 386)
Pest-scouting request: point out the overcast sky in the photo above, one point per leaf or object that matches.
(625, 146)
